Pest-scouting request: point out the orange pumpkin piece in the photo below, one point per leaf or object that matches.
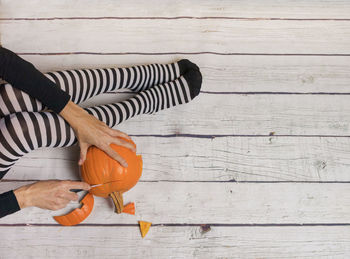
(78, 215)
(129, 208)
(144, 227)
(99, 168)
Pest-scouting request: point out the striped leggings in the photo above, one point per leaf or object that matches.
(25, 124)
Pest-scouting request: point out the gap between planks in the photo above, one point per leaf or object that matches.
(198, 181)
(183, 225)
(173, 18)
(183, 53)
(259, 93)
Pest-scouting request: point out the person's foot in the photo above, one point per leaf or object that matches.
(194, 81)
(185, 65)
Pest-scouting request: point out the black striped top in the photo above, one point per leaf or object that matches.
(24, 76)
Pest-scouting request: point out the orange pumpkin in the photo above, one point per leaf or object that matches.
(99, 168)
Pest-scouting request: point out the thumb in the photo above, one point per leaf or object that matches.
(83, 150)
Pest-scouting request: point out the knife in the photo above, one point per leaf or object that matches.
(79, 190)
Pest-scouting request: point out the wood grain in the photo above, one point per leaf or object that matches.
(225, 114)
(210, 115)
(230, 74)
(184, 36)
(179, 242)
(300, 9)
(275, 159)
(270, 68)
(205, 203)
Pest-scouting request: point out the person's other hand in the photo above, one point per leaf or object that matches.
(93, 132)
(51, 194)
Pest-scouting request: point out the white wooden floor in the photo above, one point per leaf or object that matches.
(262, 155)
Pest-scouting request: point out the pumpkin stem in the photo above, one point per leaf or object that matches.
(117, 198)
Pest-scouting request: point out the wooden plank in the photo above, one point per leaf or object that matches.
(238, 159)
(185, 36)
(229, 73)
(179, 242)
(197, 8)
(236, 115)
(215, 114)
(205, 203)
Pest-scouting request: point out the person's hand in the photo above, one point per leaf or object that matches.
(92, 132)
(51, 194)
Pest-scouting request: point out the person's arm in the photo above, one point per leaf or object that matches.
(89, 131)
(8, 203)
(51, 194)
(24, 76)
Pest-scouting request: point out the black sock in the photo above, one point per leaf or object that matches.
(194, 80)
(185, 65)
(83, 84)
(47, 129)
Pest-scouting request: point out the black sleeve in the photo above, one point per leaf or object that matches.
(8, 204)
(24, 76)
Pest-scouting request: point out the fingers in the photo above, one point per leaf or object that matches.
(76, 185)
(98, 134)
(53, 194)
(124, 143)
(63, 195)
(115, 156)
(83, 150)
(118, 133)
(117, 139)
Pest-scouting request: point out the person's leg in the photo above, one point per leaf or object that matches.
(13, 100)
(25, 131)
(85, 83)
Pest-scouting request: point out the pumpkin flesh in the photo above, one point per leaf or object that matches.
(79, 214)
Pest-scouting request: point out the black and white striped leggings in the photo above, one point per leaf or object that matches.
(25, 124)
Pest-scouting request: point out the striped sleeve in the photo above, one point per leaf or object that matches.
(24, 76)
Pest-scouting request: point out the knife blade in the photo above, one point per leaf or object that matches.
(79, 190)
